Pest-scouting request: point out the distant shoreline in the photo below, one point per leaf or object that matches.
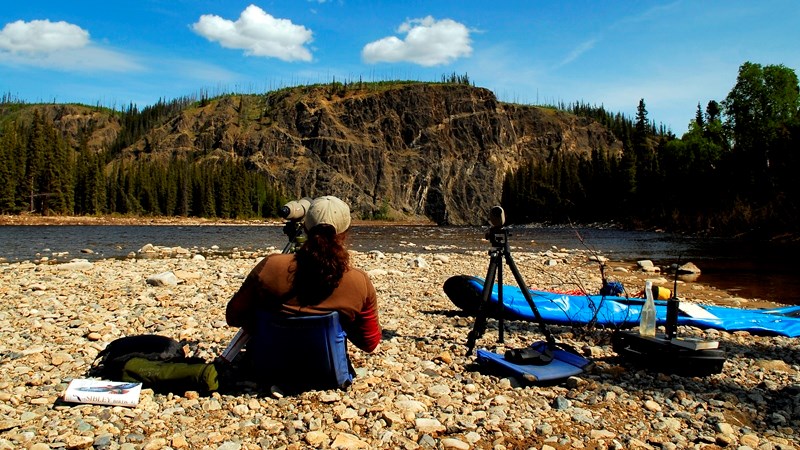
(31, 219)
(788, 238)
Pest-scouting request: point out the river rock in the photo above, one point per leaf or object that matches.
(75, 264)
(450, 443)
(425, 425)
(348, 441)
(163, 279)
(647, 266)
(688, 269)
(419, 262)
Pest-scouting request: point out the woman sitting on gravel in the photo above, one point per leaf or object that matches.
(315, 280)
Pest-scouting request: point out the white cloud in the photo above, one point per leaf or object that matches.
(578, 51)
(428, 42)
(258, 34)
(57, 45)
(41, 36)
(88, 59)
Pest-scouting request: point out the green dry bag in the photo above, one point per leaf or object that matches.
(171, 376)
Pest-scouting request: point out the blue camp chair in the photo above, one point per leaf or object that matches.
(301, 353)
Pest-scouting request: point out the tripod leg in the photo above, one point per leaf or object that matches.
(527, 294)
(483, 309)
(501, 320)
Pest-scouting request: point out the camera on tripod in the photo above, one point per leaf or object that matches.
(497, 234)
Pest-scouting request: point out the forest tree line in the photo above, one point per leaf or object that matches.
(731, 172)
(44, 175)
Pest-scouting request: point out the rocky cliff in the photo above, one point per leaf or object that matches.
(433, 150)
(412, 150)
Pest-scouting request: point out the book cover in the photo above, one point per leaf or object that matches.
(694, 343)
(103, 392)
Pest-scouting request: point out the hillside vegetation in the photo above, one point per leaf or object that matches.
(407, 150)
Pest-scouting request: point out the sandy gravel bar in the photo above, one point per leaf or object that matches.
(419, 390)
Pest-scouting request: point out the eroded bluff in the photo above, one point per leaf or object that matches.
(433, 150)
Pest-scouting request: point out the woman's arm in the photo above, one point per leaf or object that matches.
(239, 311)
(365, 331)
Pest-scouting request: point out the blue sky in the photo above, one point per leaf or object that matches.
(672, 54)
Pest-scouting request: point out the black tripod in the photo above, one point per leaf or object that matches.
(293, 229)
(498, 237)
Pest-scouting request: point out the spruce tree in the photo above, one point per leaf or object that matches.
(34, 160)
(9, 148)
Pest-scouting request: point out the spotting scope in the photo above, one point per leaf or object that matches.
(295, 209)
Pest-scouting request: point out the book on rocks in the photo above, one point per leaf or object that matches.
(103, 392)
(694, 343)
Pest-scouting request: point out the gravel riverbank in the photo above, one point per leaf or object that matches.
(419, 390)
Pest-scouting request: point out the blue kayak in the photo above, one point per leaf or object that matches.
(620, 312)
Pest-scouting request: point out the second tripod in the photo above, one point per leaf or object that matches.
(499, 254)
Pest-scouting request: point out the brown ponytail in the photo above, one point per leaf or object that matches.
(321, 261)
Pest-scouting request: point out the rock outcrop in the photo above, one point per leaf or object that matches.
(406, 150)
(434, 150)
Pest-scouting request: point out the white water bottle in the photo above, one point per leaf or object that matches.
(647, 319)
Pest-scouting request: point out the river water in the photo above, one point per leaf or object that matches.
(748, 269)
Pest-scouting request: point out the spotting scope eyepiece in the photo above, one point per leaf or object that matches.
(497, 217)
(295, 209)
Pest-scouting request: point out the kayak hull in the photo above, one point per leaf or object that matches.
(617, 312)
